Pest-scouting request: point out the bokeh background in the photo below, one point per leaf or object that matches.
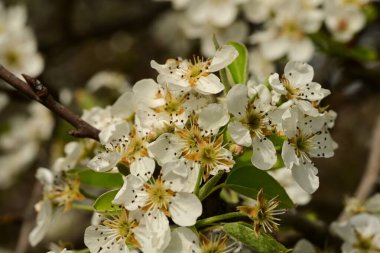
(78, 38)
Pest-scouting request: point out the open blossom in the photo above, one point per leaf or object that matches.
(183, 240)
(198, 75)
(250, 106)
(125, 232)
(169, 195)
(123, 145)
(360, 234)
(198, 142)
(60, 190)
(307, 141)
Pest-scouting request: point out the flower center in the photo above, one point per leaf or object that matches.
(12, 58)
(158, 196)
(292, 91)
(302, 144)
(66, 192)
(292, 30)
(124, 228)
(255, 121)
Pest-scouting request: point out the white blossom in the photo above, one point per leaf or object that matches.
(360, 234)
(198, 75)
(250, 106)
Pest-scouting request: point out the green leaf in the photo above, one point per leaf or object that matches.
(209, 185)
(101, 179)
(248, 180)
(262, 243)
(104, 202)
(238, 69)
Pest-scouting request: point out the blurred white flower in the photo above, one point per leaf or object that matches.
(219, 13)
(304, 246)
(360, 234)
(237, 31)
(170, 31)
(108, 79)
(258, 11)
(18, 45)
(261, 67)
(21, 144)
(286, 33)
(344, 21)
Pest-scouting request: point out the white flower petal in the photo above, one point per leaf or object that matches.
(288, 155)
(307, 108)
(165, 148)
(224, 56)
(146, 91)
(133, 194)
(209, 85)
(180, 175)
(114, 132)
(305, 175)
(298, 73)
(237, 100)
(212, 117)
(143, 167)
(124, 106)
(264, 153)
(185, 208)
(240, 133)
(102, 239)
(103, 162)
(44, 219)
(183, 240)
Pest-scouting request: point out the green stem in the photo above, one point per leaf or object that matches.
(219, 186)
(199, 181)
(82, 251)
(83, 207)
(211, 220)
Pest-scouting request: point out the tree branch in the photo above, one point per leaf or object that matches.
(35, 90)
(372, 170)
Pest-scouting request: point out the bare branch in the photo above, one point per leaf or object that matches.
(372, 170)
(35, 90)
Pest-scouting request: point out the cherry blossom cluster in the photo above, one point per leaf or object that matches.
(170, 136)
(281, 28)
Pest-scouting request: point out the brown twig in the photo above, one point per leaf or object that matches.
(35, 90)
(372, 170)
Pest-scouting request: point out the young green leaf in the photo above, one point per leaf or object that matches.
(104, 202)
(238, 69)
(262, 243)
(101, 179)
(248, 180)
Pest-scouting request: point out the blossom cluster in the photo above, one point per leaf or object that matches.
(168, 137)
(18, 45)
(18, 52)
(281, 28)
